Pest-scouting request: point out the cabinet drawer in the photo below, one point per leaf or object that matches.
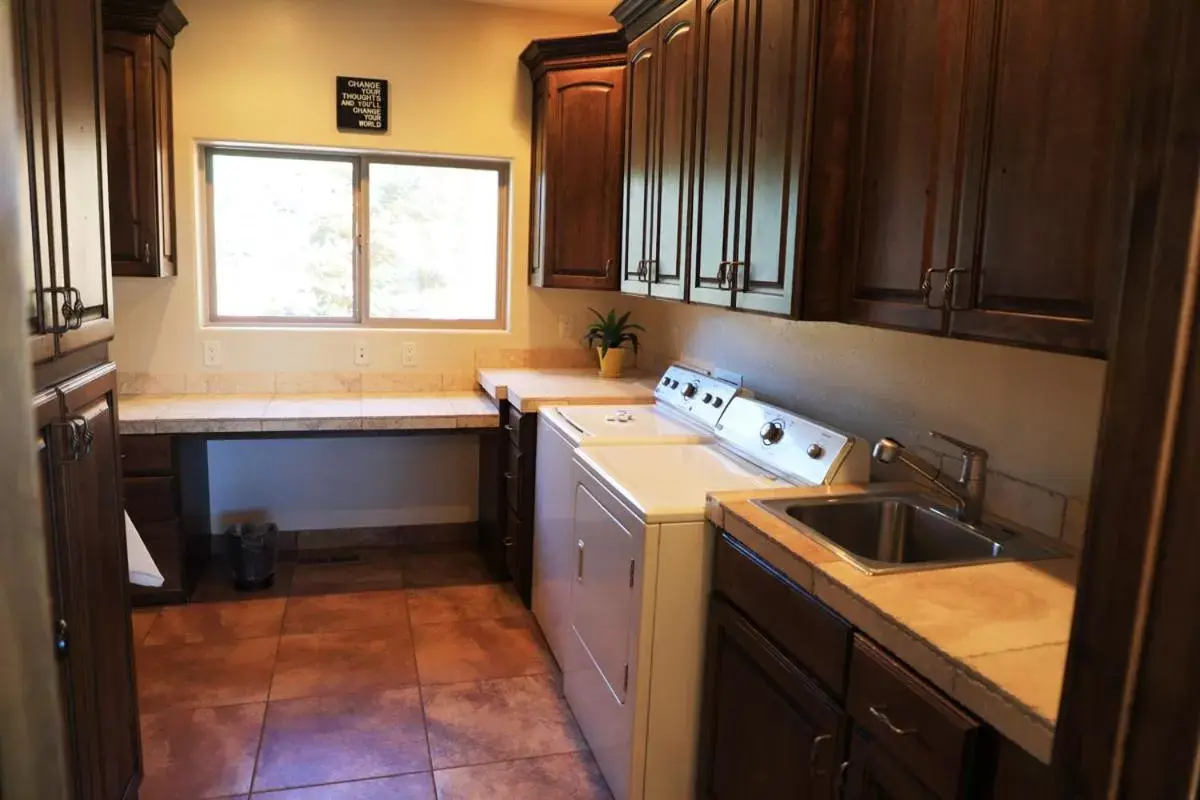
(518, 482)
(817, 638)
(930, 736)
(146, 454)
(151, 499)
(522, 429)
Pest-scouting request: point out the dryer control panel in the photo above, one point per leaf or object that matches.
(696, 394)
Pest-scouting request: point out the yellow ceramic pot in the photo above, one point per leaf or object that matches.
(611, 362)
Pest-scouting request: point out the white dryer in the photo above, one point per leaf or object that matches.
(688, 404)
(643, 554)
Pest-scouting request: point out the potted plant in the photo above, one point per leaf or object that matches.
(609, 335)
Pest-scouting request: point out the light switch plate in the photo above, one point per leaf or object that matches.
(212, 354)
(409, 354)
(361, 357)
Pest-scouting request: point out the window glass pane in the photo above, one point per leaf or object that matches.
(434, 242)
(283, 234)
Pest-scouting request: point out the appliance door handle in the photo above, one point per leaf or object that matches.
(579, 561)
(877, 713)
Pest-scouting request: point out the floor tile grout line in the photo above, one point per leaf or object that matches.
(330, 783)
(412, 637)
(262, 731)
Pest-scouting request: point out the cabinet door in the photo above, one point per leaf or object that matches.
(129, 119)
(668, 268)
(83, 235)
(638, 236)
(537, 200)
(164, 158)
(904, 161)
(95, 576)
(583, 177)
(715, 205)
(1048, 182)
(780, 69)
(871, 773)
(767, 729)
(67, 153)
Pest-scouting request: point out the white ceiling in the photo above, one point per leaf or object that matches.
(579, 8)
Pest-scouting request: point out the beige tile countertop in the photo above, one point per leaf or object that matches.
(248, 413)
(992, 636)
(527, 389)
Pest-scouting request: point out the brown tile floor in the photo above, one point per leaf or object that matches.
(399, 675)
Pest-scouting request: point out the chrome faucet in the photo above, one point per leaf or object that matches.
(967, 491)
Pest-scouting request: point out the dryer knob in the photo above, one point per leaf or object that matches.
(690, 390)
(771, 433)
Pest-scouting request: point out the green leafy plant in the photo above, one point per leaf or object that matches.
(612, 331)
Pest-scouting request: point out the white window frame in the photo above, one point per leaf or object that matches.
(361, 161)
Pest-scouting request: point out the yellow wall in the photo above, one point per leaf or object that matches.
(263, 71)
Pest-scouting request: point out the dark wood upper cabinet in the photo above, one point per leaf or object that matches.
(63, 118)
(720, 73)
(579, 109)
(767, 729)
(658, 164)
(903, 161)
(1048, 187)
(637, 237)
(138, 36)
(989, 184)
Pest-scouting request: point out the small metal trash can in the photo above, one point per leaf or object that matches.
(251, 551)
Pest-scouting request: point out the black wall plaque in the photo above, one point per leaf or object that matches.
(362, 104)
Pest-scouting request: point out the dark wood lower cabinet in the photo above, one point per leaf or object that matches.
(768, 730)
(869, 729)
(872, 774)
(90, 581)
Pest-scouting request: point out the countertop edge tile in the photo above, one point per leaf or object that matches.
(1006, 714)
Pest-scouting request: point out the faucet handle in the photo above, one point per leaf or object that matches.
(967, 449)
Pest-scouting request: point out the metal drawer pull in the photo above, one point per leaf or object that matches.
(722, 268)
(508, 541)
(509, 476)
(510, 428)
(949, 286)
(579, 562)
(812, 753)
(877, 713)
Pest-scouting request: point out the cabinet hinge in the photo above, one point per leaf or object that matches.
(631, 568)
(625, 682)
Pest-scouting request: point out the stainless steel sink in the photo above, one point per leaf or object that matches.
(900, 532)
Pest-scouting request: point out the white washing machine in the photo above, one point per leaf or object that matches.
(688, 404)
(643, 554)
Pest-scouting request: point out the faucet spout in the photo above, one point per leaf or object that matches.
(967, 491)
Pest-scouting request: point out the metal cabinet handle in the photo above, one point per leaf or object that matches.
(508, 541)
(579, 561)
(950, 285)
(840, 783)
(510, 476)
(733, 273)
(877, 713)
(146, 252)
(60, 638)
(72, 312)
(608, 265)
(510, 428)
(813, 751)
(927, 288)
(651, 267)
(722, 269)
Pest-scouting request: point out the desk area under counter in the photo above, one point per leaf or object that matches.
(164, 455)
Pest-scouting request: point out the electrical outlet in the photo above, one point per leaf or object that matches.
(409, 356)
(564, 326)
(361, 358)
(212, 354)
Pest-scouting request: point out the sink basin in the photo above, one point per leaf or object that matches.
(896, 533)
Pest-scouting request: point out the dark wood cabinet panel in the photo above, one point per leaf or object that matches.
(767, 729)
(872, 774)
(578, 156)
(67, 211)
(639, 198)
(1048, 182)
(780, 57)
(583, 177)
(672, 143)
(903, 164)
(91, 576)
(141, 182)
(715, 211)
